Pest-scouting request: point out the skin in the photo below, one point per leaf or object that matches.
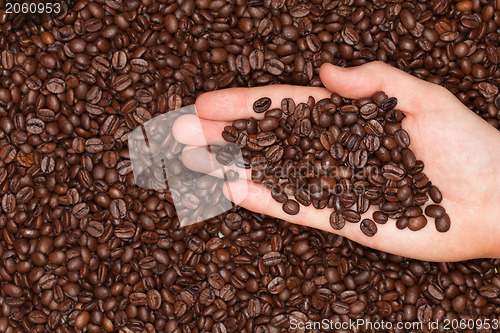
(458, 148)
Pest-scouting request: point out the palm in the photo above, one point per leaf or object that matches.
(456, 146)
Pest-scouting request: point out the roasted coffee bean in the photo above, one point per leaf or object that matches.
(230, 134)
(275, 153)
(337, 220)
(402, 138)
(340, 307)
(389, 104)
(276, 285)
(95, 229)
(258, 163)
(417, 223)
(190, 201)
(402, 222)
(392, 172)
(56, 86)
(119, 59)
(118, 208)
(435, 194)
(380, 217)
(413, 211)
(434, 211)
(35, 126)
(291, 207)
(350, 215)
(153, 299)
(265, 139)
(443, 223)
(262, 105)
(368, 227)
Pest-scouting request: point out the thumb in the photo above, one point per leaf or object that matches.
(412, 93)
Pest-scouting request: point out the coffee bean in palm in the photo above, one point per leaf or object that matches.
(368, 227)
(374, 136)
(262, 105)
(389, 104)
(435, 211)
(351, 216)
(402, 138)
(230, 134)
(417, 223)
(443, 223)
(402, 222)
(337, 220)
(278, 194)
(380, 217)
(413, 211)
(291, 207)
(287, 106)
(435, 194)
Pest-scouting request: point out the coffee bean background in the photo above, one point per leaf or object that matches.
(84, 249)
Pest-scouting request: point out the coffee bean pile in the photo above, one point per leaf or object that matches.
(83, 249)
(338, 153)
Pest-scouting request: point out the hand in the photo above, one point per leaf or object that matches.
(458, 148)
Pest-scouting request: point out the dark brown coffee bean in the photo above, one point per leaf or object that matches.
(35, 126)
(392, 172)
(402, 138)
(380, 217)
(271, 258)
(122, 82)
(402, 222)
(337, 220)
(230, 134)
(413, 211)
(153, 299)
(254, 307)
(434, 211)
(350, 36)
(81, 210)
(291, 207)
(265, 139)
(56, 86)
(350, 215)
(389, 104)
(368, 227)
(276, 285)
(258, 163)
(275, 153)
(340, 307)
(262, 105)
(275, 67)
(443, 223)
(118, 208)
(417, 223)
(435, 194)
(190, 201)
(215, 280)
(95, 229)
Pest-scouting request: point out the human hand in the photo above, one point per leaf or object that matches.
(458, 148)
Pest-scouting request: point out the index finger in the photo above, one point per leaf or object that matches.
(237, 103)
